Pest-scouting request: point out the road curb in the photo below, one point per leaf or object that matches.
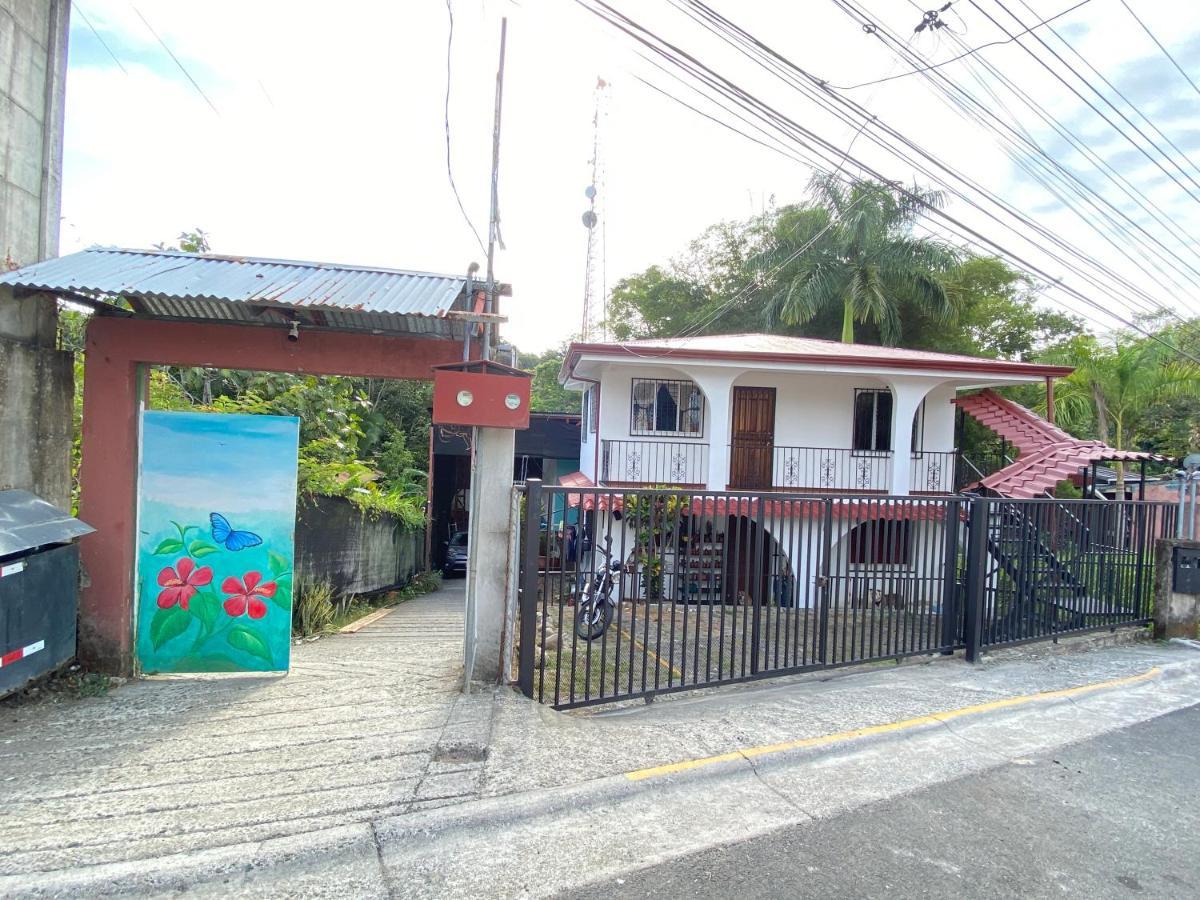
(236, 862)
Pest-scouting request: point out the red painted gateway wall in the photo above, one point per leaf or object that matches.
(116, 349)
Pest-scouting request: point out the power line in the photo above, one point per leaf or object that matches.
(449, 166)
(1157, 253)
(804, 135)
(103, 43)
(1157, 42)
(186, 73)
(1091, 105)
(823, 98)
(971, 52)
(1076, 185)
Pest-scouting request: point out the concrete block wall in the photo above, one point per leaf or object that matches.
(36, 379)
(33, 57)
(335, 541)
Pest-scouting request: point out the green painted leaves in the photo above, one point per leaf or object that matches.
(200, 548)
(242, 638)
(167, 624)
(169, 545)
(278, 563)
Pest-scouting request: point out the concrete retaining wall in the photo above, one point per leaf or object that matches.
(357, 553)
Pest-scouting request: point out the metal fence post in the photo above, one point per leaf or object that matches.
(527, 606)
(951, 612)
(976, 578)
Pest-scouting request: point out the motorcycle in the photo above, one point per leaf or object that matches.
(594, 609)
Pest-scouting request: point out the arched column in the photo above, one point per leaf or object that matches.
(907, 396)
(717, 385)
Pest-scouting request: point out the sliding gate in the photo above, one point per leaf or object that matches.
(714, 588)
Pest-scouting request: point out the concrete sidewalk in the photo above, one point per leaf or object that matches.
(366, 771)
(356, 731)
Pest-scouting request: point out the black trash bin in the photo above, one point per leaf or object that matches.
(39, 587)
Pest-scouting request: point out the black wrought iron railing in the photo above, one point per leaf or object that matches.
(933, 472)
(637, 462)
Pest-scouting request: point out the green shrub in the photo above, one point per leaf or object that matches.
(313, 609)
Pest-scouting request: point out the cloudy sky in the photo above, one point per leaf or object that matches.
(316, 131)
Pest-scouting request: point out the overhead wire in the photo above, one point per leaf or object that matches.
(958, 95)
(449, 165)
(1159, 44)
(804, 85)
(971, 52)
(815, 142)
(1160, 258)
(182, 68)
(103, 43)
(882, 34)
(1142, 150)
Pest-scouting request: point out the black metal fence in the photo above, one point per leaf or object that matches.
(706, 588)
(1051, 567)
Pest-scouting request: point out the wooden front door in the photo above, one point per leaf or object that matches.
(753, 437)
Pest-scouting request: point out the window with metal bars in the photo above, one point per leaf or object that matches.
(872, 420)
(666, 407)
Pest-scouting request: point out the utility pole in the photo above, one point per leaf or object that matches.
(494, 218)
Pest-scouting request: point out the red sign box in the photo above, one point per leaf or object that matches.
(482, 393)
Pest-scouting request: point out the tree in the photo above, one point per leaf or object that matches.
(546, 394)
(1112, 387)
(852, 249)
(998, 313)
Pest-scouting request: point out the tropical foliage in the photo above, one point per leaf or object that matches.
(852, 249)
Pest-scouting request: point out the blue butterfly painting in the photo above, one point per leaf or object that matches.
(224, 533)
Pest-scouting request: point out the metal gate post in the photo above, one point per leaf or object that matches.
(527, 604)
(976, 577)
(951, 611)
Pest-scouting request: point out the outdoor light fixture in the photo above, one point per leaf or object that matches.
(294, 331)
(512, 401)
(465, 398)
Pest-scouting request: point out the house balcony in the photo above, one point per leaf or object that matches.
(770, 467)
(644, 462)
(839, 469)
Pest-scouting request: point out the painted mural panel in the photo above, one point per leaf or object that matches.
(216, 526)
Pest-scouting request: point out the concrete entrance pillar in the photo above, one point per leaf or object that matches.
(488, 551)
(1176, 600)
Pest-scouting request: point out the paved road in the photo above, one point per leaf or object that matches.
(1116, 816)
(354, 732)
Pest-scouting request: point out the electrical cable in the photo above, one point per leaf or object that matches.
(814, 141)
(971, 52)
(182, 68)
(1158, 43)
(449, 166)
(1100, 285)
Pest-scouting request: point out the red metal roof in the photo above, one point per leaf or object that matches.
(781, 348)
(1048, 454)
(858, 509)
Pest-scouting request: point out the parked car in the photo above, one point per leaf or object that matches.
(456, 556)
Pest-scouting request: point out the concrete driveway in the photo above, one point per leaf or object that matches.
(365, 725)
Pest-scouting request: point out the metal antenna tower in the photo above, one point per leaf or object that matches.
(595, 287)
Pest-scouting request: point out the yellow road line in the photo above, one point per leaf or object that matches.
(662, 662)
(886, 728)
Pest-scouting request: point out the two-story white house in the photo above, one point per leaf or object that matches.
(765, 412)
(761, 414)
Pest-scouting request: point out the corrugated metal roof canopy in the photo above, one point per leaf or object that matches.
(176, 285)
(27, 521)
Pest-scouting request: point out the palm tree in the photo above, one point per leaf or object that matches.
(852, 246)
(1111, 387)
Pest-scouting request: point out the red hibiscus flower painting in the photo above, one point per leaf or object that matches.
(179, 583)
(246, 595)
